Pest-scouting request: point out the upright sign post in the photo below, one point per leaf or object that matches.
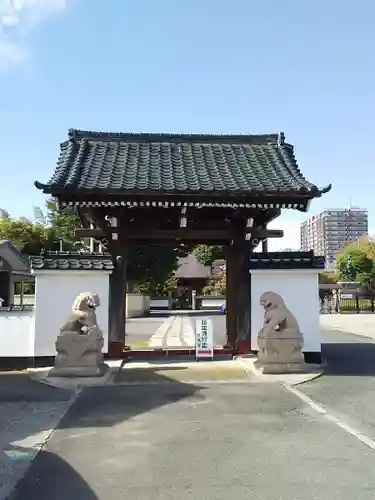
(204, 339)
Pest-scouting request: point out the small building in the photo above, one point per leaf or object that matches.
(190, 275)
(14, 268)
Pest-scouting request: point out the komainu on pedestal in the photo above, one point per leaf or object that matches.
(80, 342)
(280, 340)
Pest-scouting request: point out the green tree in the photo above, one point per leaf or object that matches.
(4, 214)
(49, 231)
(367, 245)
(328, 278)
(60, 224)
(28, 237)
(206, 254)
(151, 268)
(354, 263)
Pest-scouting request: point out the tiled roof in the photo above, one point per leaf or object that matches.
(72, 261)
(189, 267)
(12, 256)
(286, 260)
(111, 163)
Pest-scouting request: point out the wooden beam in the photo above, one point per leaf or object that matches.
(260, 233)
(90, 233)
(176, 233)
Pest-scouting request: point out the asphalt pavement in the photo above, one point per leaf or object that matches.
(218, 441)
(29, 411)
(348, 387)
(139, 331)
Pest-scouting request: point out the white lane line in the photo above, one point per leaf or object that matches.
(367, 441)
(157, 338)
(188, 332)
(172, 338)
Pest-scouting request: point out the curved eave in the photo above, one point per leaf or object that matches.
(325, 189)
(66, 190)
(40, 186)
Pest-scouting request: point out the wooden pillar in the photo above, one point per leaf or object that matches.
(265, 242)
(117, 306)
(239, 296)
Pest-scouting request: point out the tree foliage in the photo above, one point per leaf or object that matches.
(52, 231)
(355, 263)
(366, 245)
(4, 214)
(206, 254)
(28, 237)
(150, 268)
(217, 284)
(328, 278)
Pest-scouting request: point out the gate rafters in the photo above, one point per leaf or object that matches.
(175, 189)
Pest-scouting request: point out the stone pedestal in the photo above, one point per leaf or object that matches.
(79, 355)
(280, 341)
(280, 355)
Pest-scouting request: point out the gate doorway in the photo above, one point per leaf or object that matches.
(176, 189)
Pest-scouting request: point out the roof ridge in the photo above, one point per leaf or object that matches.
(76, 134)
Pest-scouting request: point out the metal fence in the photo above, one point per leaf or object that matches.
(356, 305)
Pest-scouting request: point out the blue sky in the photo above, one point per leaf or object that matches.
(210, 66)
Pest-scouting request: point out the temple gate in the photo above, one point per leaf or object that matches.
(176, 189)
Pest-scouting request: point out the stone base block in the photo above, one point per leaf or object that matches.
(282, 368)
(79, 371)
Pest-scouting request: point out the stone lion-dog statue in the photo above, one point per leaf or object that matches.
(82, 319)
(280, 340)
(80, 341)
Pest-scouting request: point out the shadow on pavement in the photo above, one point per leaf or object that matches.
(109, 405)
(27, 407)
(50, 476)
(184, 312)
(349, 358)
(44, 478)
(20, 388)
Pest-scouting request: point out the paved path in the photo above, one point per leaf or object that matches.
(184, 442)
(29, 412)
(178, 330)
(359, 324)
(139, 330)
(347, 389)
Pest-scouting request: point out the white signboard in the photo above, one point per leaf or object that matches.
(204, 339)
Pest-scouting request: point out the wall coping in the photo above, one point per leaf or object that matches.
(285, 271)
(286, 260)
(67, 272)
(71, 261)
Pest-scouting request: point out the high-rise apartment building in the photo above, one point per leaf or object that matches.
(328, 232)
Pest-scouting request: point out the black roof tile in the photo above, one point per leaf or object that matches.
(72, 261)
(286, 260)
(112, 163)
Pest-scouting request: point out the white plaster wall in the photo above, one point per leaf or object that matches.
(159, 303)
(16, 334)
(137, 305)
(299, 289)
(55, 292)
(212, 302)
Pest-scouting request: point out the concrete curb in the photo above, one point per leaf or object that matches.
(6, 492)
(76, 384)
(288, 379)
